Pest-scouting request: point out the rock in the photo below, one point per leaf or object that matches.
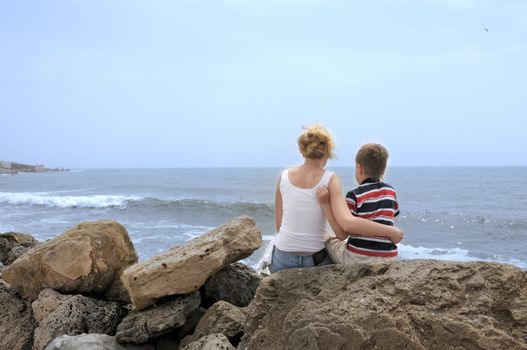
(59, 314)
(184, 269)
(140, 326)
(15, 253)
(166, 342)
(92, 342)
(87, 259)
(16, 320)
(211, 342)
(404, 305)
(223, 318)
(10, 240)
(171, 340)
(235, 284)
(190, 324)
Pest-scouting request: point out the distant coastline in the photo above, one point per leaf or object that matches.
(14, 168)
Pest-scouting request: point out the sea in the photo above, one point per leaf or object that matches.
(447, 213)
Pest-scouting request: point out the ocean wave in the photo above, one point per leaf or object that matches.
(205, 205)
(51, 199)
(453, 254)
(86, 201)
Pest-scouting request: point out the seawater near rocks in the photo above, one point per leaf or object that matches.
(184, 269)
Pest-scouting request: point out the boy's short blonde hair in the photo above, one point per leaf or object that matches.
(316, 142)
(373, 157)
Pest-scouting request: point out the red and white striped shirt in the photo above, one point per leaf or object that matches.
(376, 201)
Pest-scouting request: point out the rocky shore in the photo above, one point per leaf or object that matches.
(86, 290)
(13, 168)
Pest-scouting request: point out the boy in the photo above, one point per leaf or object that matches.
(372, 200)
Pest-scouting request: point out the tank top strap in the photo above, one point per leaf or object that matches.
(326, 177)
(284, 177)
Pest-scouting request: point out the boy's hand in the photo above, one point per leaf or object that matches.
(323, 195)
(398, 236)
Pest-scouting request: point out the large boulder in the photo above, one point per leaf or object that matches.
(10, 240)
(59, 315)
(210, 342)
(223, 318)
(92, 342)
(141, 326)
(403, 305)
(16, 320)
(86, 259)
(235, 284)
(184, 269)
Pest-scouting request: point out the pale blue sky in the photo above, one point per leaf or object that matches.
(165, 83)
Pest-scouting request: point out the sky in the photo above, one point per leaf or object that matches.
(205, 83)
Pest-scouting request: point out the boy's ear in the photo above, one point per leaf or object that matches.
(360, 169)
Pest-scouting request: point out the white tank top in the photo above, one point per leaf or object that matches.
(303, 221)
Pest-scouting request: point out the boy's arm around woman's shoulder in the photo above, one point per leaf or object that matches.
(353, 224)
(323, 199)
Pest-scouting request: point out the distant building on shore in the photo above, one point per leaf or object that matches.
(5, 165)
(39, 168)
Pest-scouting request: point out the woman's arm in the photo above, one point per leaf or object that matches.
(323, 199)
(278, 207)
(353, 224)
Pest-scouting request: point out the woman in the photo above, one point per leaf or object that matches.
(300, 221)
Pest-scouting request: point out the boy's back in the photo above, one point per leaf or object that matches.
(376, 201)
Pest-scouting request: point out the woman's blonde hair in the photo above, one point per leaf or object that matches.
(316, 142)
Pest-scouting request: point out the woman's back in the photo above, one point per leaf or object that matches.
(303, 222)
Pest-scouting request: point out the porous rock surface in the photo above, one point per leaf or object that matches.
(92, 342)
(140, 326)
(404, 305)
(236, 284)
(17, 323)
(210, 342)
(184, 269)
(223, 318)
(59, 315)
(86, 259)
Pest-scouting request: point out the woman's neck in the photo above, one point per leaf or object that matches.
(314, 163)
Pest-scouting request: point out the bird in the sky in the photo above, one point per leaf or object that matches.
(486, 29)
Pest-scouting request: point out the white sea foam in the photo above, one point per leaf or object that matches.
(87, 201)
(452, 254)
